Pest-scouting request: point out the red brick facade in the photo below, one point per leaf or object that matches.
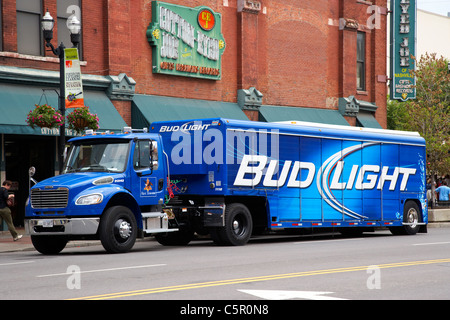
(299, 53)
(296, 53)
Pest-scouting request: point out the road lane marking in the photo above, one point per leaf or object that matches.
(101, 270)
(289, 295)
(430, 243)
(254, 279)
(14, 263)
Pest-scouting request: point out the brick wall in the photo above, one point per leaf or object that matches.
(294, 51)
(9, 26)
(124, 109)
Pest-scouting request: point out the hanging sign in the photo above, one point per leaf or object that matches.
(186, 41)
(72, 79)
(403, 47)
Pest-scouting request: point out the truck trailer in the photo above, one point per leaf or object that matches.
(229, 179)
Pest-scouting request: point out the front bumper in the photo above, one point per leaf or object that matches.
(62, 226)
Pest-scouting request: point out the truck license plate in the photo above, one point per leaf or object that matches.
(47, 223)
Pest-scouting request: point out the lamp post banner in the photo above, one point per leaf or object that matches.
(72, 79)
(403, 49)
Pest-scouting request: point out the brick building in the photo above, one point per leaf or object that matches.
(272, 60)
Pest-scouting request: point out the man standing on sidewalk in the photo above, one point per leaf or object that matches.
(5, 212)
(443, 192)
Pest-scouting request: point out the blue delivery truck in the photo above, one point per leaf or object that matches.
(229, 179)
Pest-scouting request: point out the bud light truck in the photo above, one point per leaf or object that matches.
(229, 179)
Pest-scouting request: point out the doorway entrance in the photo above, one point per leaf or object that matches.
(22, 152)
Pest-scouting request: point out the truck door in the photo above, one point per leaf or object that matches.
(147, 176)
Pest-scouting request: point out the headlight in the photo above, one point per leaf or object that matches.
(90, 199)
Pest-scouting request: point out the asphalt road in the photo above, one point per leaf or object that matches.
(375, 266)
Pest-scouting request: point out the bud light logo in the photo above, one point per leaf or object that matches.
(262, 171)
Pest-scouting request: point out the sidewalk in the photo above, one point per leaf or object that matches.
(7, 244)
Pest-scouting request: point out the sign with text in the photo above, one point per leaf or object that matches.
(403, 48)
(72, 79)
(186, 41)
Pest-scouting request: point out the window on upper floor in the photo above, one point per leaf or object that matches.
(67, 8)
(29, 32)
(361, 61)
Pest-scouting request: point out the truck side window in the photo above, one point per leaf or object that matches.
(154, 154)
(141, 157)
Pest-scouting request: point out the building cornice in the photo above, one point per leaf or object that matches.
(119, 87)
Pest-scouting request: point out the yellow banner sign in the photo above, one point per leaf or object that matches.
(72, 79)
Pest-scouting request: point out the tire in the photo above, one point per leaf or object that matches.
(49, 244)
(411, 214)
(118, 229)
(238, 226)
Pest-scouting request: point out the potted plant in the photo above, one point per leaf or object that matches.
(81, 119)
(44, 116)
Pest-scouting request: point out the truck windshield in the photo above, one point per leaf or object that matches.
(101, 156)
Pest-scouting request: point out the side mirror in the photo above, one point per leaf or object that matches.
(31, 173)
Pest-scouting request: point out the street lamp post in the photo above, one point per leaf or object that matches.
(74, 26)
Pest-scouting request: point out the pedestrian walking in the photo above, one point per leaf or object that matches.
(5, 211)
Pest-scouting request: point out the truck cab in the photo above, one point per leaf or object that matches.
(112, 188)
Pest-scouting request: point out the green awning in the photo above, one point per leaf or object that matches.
(146, 109)
(367, 120)
(99, 103)
(277, 113)
(16, 101)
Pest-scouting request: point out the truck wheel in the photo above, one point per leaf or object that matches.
(238, 226)
(118, 229)
(49, 244)
(411, 214)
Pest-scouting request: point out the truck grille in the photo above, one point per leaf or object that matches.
(54, 198)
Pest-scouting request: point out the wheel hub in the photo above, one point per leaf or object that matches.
(413, 217)
(124, 229)
(236, 226)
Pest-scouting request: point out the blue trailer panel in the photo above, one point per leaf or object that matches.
(308, 174)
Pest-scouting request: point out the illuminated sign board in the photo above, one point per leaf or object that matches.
(403, 47)
(186, 41)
